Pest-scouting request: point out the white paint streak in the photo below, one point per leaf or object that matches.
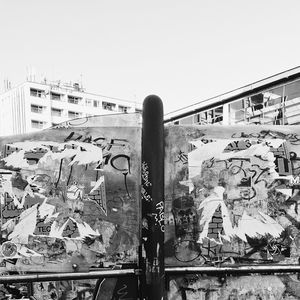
(83, 153)
(254, 227)
(189, 184)
(97, 184)
(216, 149)
(17, 160)
(84, 230)
(92, 154)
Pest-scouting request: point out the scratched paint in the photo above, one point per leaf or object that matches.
(232, 196)
(70, 195)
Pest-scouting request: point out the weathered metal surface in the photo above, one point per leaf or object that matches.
(232, 198)
(70, 196)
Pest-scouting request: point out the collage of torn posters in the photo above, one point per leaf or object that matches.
(231, 198)
(69, 195)
(232, 195)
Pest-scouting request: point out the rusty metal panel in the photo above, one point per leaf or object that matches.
(70, 196)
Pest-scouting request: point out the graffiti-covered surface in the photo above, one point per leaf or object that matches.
(15, 291)
(232, 195)
(62, 290)
(268, 287)
(70, 195)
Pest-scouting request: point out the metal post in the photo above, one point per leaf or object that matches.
(153, 198)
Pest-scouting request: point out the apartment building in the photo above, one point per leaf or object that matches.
(34, 106)
(272, 101)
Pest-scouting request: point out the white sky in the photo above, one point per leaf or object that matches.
(182, 51)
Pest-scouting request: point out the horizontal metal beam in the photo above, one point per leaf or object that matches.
(223, 98)
(69, 276)
(233, 270)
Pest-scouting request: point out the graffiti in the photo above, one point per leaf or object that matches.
(146, 184)
(293, 138)
(145, 195)
(101, 142)
(234, 288)
(57, 191)
(159, 216)
(182, 157)
(241, 199)
(75, 289)
(145, 174)
(123, 292)
(14, 291)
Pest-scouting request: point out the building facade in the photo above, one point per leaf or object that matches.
(33, 106)
(272, 101)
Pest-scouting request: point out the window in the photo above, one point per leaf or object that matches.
(37, 108)
(55, 96)
(237, 111)
(74, 114)
(73, 100)
(187, 120)
(123, 109)
(96, 103)
(108, 105)
(197, 119)
(257, 101)
(36, 92)
(88, 102)
(56, 112)
(217, 115)
(37, 124)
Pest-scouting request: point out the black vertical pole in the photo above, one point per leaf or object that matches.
(153, 198)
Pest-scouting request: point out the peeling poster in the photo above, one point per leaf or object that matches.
(70, 195)
(232, 198)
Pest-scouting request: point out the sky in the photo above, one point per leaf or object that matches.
(182, 51)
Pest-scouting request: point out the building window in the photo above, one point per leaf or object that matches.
(187, 120)
(37, 108)
(37, 124)
(96, 103)
(36, 92)
(73, 100)
(56, 112)
(108, 105)
(88, 102)
(55, 96)
(123, 109)
(237, 111)
(217, 115)
(74, 114)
